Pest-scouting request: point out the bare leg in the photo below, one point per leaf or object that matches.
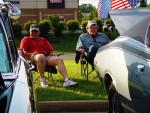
(39, 61)
(55, 60)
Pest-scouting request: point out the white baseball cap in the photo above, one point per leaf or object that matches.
(90, 23)
(34, 27)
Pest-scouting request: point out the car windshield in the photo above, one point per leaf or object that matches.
(4, 59)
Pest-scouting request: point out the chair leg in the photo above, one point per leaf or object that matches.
(48, 77)
(35, 78)
(81, 69)
(95, 77)
(85, 72)
(84, 69)
(52, 80)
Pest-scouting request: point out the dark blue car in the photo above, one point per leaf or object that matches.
(16, 91)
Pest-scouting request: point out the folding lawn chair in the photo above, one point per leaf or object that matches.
(51, 70)
(86, 70)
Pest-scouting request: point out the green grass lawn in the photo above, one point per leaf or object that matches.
(91, 89)
(67, 43)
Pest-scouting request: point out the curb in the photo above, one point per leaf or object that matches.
(73, 106)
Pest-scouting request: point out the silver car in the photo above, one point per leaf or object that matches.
(124, 64)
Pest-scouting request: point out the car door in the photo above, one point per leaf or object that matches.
(140, 79)
(6, 70)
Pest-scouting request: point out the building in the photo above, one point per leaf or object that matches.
(40, 9)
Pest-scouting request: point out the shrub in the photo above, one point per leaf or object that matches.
(28, 23)
(44, 27)
(84, 23)
(100, 25)
(72, 25)
(110, 25)
(17, 29)
(59, 29)
(57, 25)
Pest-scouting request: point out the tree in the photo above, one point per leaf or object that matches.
(86, 8)
(88, 11)
(93, 14)
(143, 3)
(80, 17)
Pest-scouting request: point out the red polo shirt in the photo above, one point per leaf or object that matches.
(38, 45)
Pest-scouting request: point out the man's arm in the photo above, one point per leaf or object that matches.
(24, 48)
(80, 45)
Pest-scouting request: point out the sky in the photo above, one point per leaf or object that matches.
(93, 2)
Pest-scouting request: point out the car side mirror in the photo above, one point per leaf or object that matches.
(13, 11)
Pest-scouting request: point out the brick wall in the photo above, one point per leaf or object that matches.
(39, 14)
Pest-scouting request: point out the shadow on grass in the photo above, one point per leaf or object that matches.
(86, 90)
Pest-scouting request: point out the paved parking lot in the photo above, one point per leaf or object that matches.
(68, 56)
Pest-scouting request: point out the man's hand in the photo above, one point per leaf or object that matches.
(35, 53)
(82, 50)
(53, 54)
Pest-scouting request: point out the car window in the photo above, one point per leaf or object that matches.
(4, 59)
(8, 27)
(147, 36)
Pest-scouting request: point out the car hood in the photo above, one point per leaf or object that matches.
(131, 22)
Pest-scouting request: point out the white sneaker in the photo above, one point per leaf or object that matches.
(43, 83)
(69, 83)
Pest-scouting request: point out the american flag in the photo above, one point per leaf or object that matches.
(99, 8)
(120, 4)
(133, 3)
(103, 8)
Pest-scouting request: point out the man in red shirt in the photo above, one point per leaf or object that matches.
(41, 53)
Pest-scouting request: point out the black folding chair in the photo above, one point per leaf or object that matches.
(86, 67)
(50, 70)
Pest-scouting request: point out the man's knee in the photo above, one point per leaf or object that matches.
(54, 60)
(39, 58)
(60, 59)
(93, 48)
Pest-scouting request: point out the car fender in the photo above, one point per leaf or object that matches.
(107, 66)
